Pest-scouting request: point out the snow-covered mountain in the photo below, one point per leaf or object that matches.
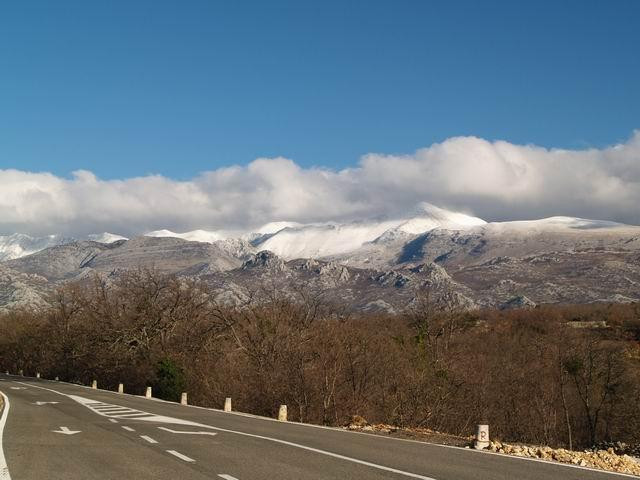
(333, 240)
(369, 264)
(291, 240)
(19, 245)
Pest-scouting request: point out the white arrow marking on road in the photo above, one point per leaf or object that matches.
(188, 433)
(66, 431)
(45, 403)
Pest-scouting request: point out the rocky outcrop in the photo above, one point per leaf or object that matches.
(519, 301)
(264, 259)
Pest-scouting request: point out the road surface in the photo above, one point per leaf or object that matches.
(55, 430)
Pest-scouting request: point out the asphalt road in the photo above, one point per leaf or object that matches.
(55, 430)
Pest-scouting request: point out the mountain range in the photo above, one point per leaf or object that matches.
(373, 265)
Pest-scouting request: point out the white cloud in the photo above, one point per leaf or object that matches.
(494, 180)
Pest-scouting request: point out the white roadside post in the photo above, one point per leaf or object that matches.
(148, 392)
(94, 384)
(282, 413)
(57, 379)
(482, 437)
(227, 404)
(21, 372)
(37, 374)
(120, 388)
(183, 398)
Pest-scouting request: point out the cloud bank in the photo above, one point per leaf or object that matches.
(493, 180)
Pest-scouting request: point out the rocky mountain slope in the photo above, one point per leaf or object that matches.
(370, 265)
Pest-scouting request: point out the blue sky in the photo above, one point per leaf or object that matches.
(128, 88)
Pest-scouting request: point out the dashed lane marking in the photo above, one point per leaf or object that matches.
(148, 439)
(180, 456)
(226, 477)
(128, 429)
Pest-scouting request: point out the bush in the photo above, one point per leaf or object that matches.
(170, 382)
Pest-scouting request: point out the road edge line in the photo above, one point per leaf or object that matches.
(4, 468)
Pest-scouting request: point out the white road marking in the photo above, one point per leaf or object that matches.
(132, 416)
(4, 468)
(66, 431)
(109, 408)
(112, 408)
(128, 429)
(180, 456)
(45, 403)
(119, 412)
(104, 409)
(226, 477)
(113, 420)
(148, 439)
(187, 433)
(18, 388)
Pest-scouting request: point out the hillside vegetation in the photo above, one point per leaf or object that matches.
(561, 376)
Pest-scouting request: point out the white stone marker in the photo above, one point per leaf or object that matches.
(94, 384)
(148, 392)
(482, 437)
(38, 375)
(227, 404)
(120, 388)
(183, 398)
(282, 413)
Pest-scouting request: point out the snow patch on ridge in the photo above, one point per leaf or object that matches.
(193, 236)
(275, 227)
(105, 237)
(323, 240)
(559, 223)
(313, 241)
